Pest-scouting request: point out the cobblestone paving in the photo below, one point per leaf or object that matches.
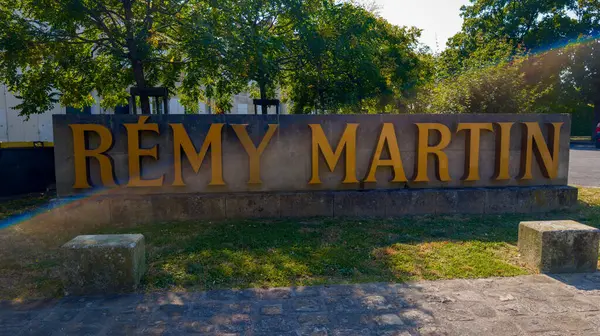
(528, 305)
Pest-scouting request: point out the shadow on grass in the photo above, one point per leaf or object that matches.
(269, 253)
(204, 255)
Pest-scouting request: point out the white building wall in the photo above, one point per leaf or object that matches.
(38, 127)
(45, 126)
(242, 109)
(15, 128)
(175, 107)
(96, 108)
(3, 115)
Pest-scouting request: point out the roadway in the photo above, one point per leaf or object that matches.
(584, 169)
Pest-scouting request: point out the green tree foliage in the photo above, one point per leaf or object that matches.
(352, 61)
(208, 60)
(581, 84)
(559, 39)
(524, 24)
(77, 46)
(257, 41)
(502, 88)
(323, 55)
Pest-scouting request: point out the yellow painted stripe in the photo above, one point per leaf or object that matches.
(26, 144)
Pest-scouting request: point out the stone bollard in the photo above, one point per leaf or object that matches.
(99, 264)
(563, 246)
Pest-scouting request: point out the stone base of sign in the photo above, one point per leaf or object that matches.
(559, 246)
(136, 209)
(99, 264)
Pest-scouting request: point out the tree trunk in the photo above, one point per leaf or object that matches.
(263, 97)
(136, 63)
(140, 80)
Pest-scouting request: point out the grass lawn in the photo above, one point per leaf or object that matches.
(203, 255)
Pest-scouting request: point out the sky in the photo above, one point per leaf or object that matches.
(439, 19)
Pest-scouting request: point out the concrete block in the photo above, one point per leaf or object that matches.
(524, 200)
(252, 205)
(423, 201)
(498, 201)
(544, 199)
(567, 197)
(471, 201)
(206, 206)
(559, 246)
(89, 212)
(306, 204)
(100, 264)
(446, 201)
(131, 210)
(126, 210)
(170, 207)
(359, 204)
(397, 203)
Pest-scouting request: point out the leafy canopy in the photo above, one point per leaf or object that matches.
(322, 55)
(551, 47)
(353, 61)
(62, 50)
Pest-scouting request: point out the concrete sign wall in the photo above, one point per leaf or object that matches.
(235, 153)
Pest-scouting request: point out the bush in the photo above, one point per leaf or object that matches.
(494, 89)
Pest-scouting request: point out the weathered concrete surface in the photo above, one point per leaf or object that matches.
(139, 209)
(99, 264)
(559, 246)
(286, 161)
(568, 304)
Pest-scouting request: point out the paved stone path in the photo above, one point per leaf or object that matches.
(527, 305)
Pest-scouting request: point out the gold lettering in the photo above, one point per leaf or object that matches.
(548, 163)
(320, 142)
(80, 155)
(424, 149)
(181, 140)
(253, 152)
(503, 151)
(135, 153)
(472, 147)
(387, 136)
